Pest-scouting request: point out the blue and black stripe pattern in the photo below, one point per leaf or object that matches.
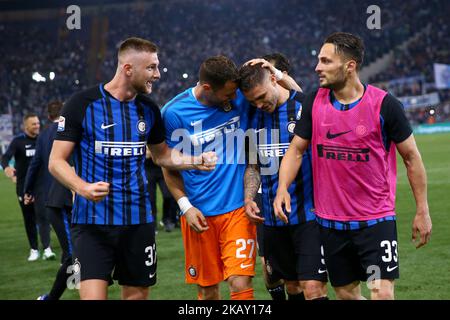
(274, 132)
(112, 149)
(351, 225)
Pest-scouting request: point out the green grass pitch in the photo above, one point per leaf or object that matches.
(425, 273)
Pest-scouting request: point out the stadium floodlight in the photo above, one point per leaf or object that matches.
(165, 69)
(185, 75)
(51, 75)
(38, 77)
(432, 111)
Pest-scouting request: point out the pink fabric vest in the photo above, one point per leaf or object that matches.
(354, 175)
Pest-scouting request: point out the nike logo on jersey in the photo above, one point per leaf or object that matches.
(322, 271)
(27, 145)
(151, 275)
(194, 123)
(389, 269)
(243, 266)
(106, 126)
(335, 135)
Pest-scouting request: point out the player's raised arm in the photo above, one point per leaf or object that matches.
(172, 159)
(195, 219)
(290, 165)
(60, 168)
(418, 180)
(283, 78)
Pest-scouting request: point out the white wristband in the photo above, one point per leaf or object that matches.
(278, 74)
(184, 204)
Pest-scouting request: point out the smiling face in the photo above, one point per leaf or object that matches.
(32, 126)
(331, 68)
(143, 71)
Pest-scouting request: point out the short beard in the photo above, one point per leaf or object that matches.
(140, 88)
(338, 84)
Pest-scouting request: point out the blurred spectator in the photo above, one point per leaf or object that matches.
(188, 31)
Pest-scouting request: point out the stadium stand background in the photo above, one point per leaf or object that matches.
(35, 38)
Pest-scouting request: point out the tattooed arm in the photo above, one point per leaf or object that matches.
(252, 181)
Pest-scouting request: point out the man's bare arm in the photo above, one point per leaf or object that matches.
(418, 181)
(252, 181)
(286, 81)
(175, 184)
(172, 159)
(59, 167)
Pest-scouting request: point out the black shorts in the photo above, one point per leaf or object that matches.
(361, 255)
(294, 252)
(128, 251)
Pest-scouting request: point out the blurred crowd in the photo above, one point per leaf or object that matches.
(189, 31)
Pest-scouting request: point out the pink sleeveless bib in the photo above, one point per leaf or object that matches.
(354, 175)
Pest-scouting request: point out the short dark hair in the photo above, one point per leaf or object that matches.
(137, 44)
(348, 45)
(28, 116)
(217, 70)
(54, 109)
(279, 61)
(251, 75)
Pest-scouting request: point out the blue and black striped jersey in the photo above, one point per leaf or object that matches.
(111, 137)
(274, 131)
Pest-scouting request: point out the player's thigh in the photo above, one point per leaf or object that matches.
(309, 252)
(93, 252)
(378, 250)
(238, 244)
(94, 289)
(341, 257)
(137, 259)
(279, 254)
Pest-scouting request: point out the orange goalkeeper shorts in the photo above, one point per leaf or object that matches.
(227, 248)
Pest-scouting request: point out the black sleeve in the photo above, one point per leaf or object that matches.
(9, 153)
(299, 96)
(33, 168)
(303, 126)
(70, 123)
(396, 125)
(156, 135)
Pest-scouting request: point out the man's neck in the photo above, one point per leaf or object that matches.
(120, 90)
(199, 95)
(284, 95)
(352, 91)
